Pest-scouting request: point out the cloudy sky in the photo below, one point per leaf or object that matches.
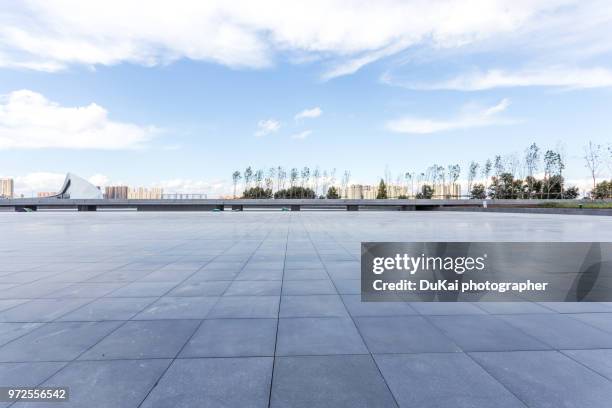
(180, 94)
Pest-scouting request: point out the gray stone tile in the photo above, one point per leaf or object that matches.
(561, 331)
(358, 308)
(547, 379)
(260, 274)
(144, 289)
(164, 275)
(513, 308)
(10, 303)
(32, 290)
(178, 308)
(246, 306)
(214, 382)
(309, 287)
(213, 275)
(602, 321)
(403, 334)
(105, 384)
(85, 290)
(233, 338)
(578, 307)
(348, 286)
(198, 289)
(56, 341)
(254, 288)
(597, 360)
(122, 275)
(27, 374)
(485, 333)
(41, 310)
(10, 331)
(312, 306)
(108, 309)
(305, 274)
(446, 308)
(442, 380)
(142, 340)
(328, 381)
(318, 336)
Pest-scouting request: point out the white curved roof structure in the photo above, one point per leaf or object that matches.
(76, 187)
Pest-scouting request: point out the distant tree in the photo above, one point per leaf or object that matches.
(478, 192)
(332, 193)
(257, 192)
(592, 158)
(486, 171)
(571, 192)
(506, 187)
(532, 162)
(472, 172)
(425, 193)
(236, 178)
(248, 175)
(280, 177)
(293, 177)
(533, 188)
(346, 178)
(499, 166)
(295, 192)
(271, 176)
(602, 190)
(316, 175)
(305, 176)
(381, 194)
(409, 177)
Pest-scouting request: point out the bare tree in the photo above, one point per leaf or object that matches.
(316, 175)
(271, 176)
(592, 159)
(499, 166)
(293, 176)
(472, 172)
(346, 178)
(305, 176)
(532, 162)
(486, 171)
(248, 175)
(236, 178)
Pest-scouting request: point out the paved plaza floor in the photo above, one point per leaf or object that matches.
(262, 309)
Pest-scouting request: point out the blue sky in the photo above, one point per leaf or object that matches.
(182, 95)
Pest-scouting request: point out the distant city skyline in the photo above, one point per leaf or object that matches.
(179, 97)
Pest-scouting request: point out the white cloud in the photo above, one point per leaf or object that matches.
(50, 36)
(309, 113)
(28, 120)
(471, 117)
(570, 78)
(32, 183)
(99, 180)
(265, 127)
(301, 135)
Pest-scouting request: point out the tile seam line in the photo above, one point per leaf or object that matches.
(351, 317)
(280, 299)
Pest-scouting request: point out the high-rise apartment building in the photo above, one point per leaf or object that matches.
(7, 186)
(116, 192)
(446, 191)
(142, 193)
